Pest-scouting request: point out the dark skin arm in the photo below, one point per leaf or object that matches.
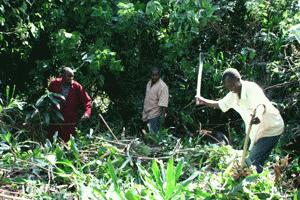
(214, 104)
(163, 111)
(255, 120)
(207, 102)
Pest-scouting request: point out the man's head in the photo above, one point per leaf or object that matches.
(155, 74)
(232, 80)
(67, 75)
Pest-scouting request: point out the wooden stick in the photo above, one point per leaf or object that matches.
(188, 105)
(2, 191)
(113, 142)
(247, 136)
(246, 143)
(108, 127)
(279, 85)
(4, 196)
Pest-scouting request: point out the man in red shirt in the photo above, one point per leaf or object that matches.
(75, 96)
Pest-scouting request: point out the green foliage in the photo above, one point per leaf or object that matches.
(295, 31)
(76, 169)
(66, 45)
(163, 183)
(11, 111)
(154, 9)
(112, 45)
(47, 108)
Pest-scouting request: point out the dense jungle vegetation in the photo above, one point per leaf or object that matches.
(113, 45)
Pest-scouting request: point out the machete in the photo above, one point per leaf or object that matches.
(200, 69)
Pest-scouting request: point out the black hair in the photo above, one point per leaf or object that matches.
(155, 70)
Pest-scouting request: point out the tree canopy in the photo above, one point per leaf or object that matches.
(112, 45)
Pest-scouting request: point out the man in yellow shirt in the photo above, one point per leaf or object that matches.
(244, 97)
(156, 101)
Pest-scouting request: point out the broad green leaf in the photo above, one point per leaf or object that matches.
(182, 185)
(47, 118)
(154, 9)
(179, 168)
(54, 101)
(191, 178)
(295, 31)
(74, 149)
(58, 114)
(98, 193)
(40, 100)
(59, 153)
(157, 176)
(131, 195)
(170, 179)
(65, 172)
(297, 195)
(113, 176)
(57, 95)
(6, 137)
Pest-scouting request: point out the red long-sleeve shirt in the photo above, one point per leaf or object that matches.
(77, 97)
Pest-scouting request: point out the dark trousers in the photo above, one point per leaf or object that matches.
(261, 151)
(154, 124)
(64, 131)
